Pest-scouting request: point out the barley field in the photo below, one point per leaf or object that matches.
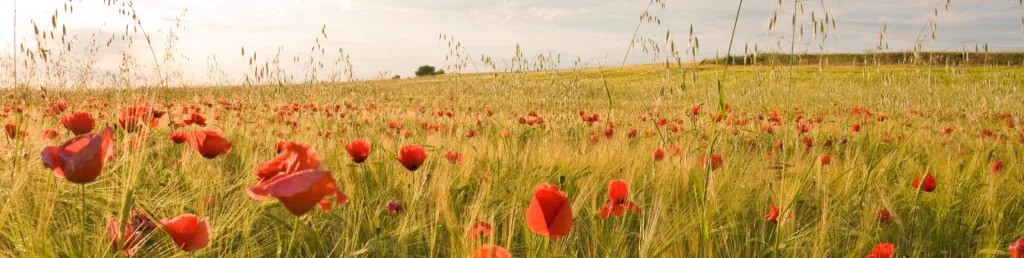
(829, 152)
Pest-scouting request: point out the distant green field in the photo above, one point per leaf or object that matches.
(948, 122)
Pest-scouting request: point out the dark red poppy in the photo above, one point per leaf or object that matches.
(80, 159)
(358, 149)
(659, 154)
(12, 130)
(773, 214)
(855, 128)
(928, 185)
(395, 206)
(188, 231)
(78, 123)
(300, 191)
(453, 157)
(491, 251)
(549, 213)
(1017, 248)
(196, 119)
(479, 229)
(883, 250)
(884, 215)
(210, 144)
(412, 156)
(134, 232)
(618, 200)
(178, 137)
(716, 161)
(293, 157)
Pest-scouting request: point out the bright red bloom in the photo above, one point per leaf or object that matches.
(855, 128)
(928, 185)
(773, 215)
(479, 229)
(884, 215)
(1017, 248)
(412, 156)
(80, 159)
(883, 250)
(294, 157)
(188, 231)
(618, 202)
(549, 213)
(491, 251)
(210, 144)
(716, 161)
(78, 123)
(453, 157)
(358, 149)
(996, 167)
(12, 130)
(50, 134)
(659, 154)
(300, 191)
(178, 137)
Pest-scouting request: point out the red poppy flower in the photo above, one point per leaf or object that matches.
(12, 130)
(884, 215)
(659, 154)
(132, 118)
(78, 123)
(300, 191)
(80, 159)
(1017, 248)
(178, 137)
(210, 144)
(996, 167)
(824, 159)
(412, 156)
(505, 134)
(479, 229)
(294, 157)
(883, 250)
(453, 157)
(549, 213)
(358, 149)
(716, 161)
(196, 119)
(928, 185)
(134, 232)
(395, 206)
(49, 134)
(188, 231)
(773, 215)
(491, 251)
(855, 128)
(618, 202)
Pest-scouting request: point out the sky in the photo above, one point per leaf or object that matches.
(396, 36)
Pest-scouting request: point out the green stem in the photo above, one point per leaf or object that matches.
(291, 242)
(81, 196)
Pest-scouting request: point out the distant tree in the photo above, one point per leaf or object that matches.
(439, 72)
(396, 77)
(425, 70)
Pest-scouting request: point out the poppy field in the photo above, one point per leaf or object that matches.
(846, 161)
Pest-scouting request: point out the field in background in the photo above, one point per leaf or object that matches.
(950, 122)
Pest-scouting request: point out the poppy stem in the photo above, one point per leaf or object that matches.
(291, 242)
(81, 196)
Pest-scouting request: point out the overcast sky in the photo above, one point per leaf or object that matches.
(398, 35)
